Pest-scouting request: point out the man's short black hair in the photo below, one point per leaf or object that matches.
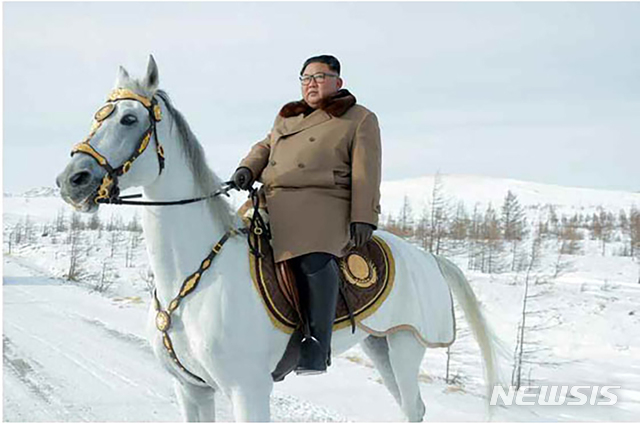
(331, 61)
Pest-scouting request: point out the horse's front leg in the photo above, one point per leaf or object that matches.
(197, 404)
(250, 398)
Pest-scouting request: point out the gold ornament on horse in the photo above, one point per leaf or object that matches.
(359, 270)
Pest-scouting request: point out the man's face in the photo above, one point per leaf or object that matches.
(314, 92)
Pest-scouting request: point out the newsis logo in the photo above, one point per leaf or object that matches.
(554, 395)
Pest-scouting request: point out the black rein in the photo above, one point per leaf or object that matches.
(123, 200)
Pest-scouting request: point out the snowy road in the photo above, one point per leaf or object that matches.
(73, 355)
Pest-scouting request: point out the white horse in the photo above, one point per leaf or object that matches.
(222, 332)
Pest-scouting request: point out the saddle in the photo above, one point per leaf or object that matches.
(367, 279)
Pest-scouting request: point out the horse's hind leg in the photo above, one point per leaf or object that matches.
(377, 349)
(405, 356)
(197, 403)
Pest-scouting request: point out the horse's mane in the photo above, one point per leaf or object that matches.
(206, 180)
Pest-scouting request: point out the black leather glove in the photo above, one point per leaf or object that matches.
(361, 232)
(243, 178)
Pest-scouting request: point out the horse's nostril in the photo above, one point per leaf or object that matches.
(80, 178)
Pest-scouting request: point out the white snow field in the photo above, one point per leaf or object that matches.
(71, 353)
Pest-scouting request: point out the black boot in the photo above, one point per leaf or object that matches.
(318, 295)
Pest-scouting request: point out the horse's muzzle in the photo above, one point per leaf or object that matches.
(79, 183)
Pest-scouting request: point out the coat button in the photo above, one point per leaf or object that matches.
(272, 162)
(301, 165)
(312, 139)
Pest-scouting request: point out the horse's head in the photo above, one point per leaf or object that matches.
(123, 131)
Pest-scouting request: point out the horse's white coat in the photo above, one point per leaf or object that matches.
(222, 333)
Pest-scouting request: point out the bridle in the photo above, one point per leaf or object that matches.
(108, 191)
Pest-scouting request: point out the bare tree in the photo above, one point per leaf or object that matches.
(569, 235)
(439, 216)
(633, 232)
(9, 242)
(561, 264)
(422, 231)
(513, 224)
(28, 230)
(94, 222)
(75, 268)
(405, 218)
(391, 225)
(491, 233)
(516, 375)
(134, 241)
(106, 278)
(61, 221)
(115, 223)
(17, 233)
(476, 245)
(602, 227)
(553, 223)
(115, 236)
(75, 225)
(134, 224)
(460, 349)
(148, 278)
(459, 229)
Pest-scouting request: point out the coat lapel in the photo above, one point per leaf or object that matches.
(298, 123)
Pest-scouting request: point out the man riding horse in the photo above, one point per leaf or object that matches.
(321, 169)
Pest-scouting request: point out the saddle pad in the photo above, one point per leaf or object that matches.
(367, 272)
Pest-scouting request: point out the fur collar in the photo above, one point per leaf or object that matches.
(335, 105)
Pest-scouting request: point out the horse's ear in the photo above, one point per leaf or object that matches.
(151, 79)
(123, 77)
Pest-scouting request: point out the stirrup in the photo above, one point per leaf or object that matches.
(310, 362)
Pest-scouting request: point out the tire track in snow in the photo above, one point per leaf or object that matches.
(132, 339)
(63, 354)
(24, 371)
(30, 373)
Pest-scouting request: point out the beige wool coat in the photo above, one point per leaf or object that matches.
(321, 171)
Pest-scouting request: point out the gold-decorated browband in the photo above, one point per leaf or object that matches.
(125, 94)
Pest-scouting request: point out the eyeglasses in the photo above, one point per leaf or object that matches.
(319, 77)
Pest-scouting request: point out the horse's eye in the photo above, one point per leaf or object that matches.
(128, 119)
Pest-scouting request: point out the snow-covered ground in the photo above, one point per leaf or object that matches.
(73, 354)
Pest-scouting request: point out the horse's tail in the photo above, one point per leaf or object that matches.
(492, 349)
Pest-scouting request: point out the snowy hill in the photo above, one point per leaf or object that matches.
(42, 192)
(37, 192)
(472, 189)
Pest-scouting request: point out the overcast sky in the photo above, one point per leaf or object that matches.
(546, 92)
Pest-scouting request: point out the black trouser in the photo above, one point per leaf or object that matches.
(317, 279)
